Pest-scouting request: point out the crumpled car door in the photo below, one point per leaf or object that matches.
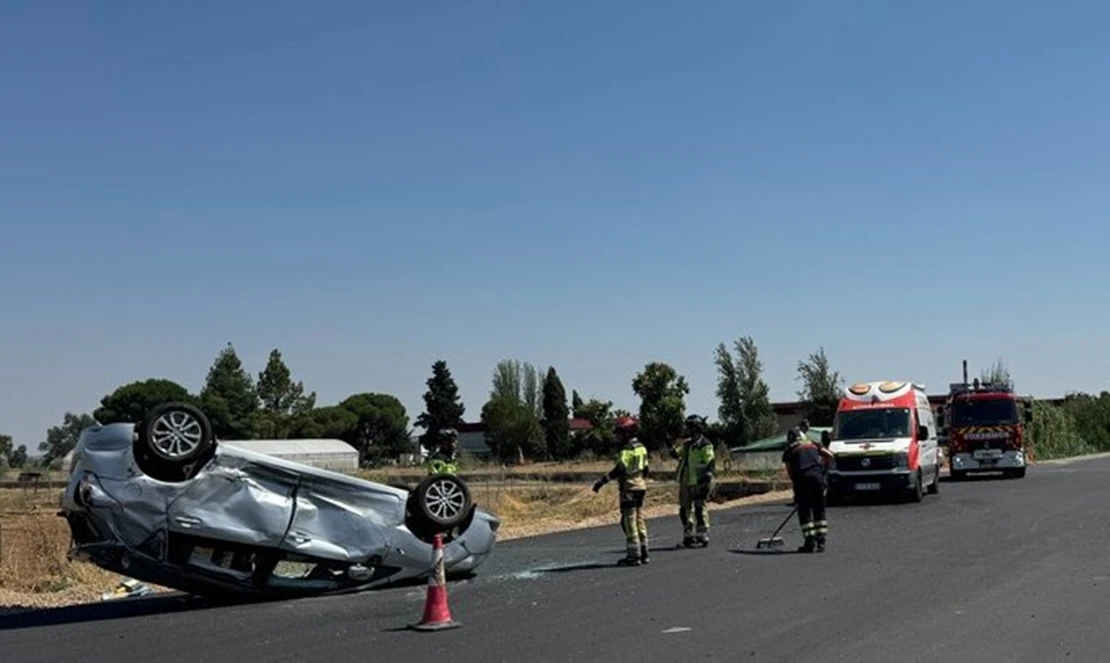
(250, 504)
(336, 521)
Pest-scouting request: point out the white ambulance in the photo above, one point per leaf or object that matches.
(884, 438)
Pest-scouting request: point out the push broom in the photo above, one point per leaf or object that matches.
(776, 541)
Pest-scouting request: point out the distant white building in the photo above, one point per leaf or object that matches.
(326, 454)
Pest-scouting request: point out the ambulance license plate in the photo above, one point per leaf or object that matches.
(867, 486)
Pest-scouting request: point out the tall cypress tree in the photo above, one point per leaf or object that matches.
(556, 414)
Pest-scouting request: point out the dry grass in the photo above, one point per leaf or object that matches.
(34, 571)
(529, 509)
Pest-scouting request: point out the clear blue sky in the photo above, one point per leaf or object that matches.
(588, 185)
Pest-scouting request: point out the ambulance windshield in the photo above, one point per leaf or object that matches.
(872, 423)
(984, 412)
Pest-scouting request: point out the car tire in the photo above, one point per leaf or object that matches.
(441, 502)
(172, 440)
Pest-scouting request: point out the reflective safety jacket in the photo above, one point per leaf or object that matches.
(696, 461)
(631, 467)
(441, 463)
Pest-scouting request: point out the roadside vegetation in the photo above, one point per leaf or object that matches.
(540, 470)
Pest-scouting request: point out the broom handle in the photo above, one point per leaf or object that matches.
(785, 520)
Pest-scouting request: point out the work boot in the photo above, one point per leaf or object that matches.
(628, 561)
(704, 540)
(820, 544)
(688, 541)
(807, 547)
(643, 554)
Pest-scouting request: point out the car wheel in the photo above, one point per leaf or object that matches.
(442, 501)
(172, 438)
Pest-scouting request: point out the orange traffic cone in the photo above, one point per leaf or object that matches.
(437, 615)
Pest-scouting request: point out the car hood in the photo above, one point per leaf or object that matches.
(875, 446)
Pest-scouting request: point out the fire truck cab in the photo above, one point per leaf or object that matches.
(986, 429)
(884, 439)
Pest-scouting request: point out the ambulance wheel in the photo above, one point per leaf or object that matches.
(934, 487)
(917, 491)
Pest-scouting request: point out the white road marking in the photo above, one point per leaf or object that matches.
(677, 629)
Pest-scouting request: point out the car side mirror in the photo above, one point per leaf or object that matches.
(826, 439)
(922, 432)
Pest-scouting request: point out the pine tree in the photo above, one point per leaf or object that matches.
(229, 397)
(442, 406)
(284, 402)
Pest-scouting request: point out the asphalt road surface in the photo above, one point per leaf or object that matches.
(1014, 570)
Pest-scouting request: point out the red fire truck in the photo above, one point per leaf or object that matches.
(986, 429)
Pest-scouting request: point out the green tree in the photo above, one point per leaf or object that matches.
(18, 457)
(514, 410)
(662, 393)
(6, 447)
(520, 382)
(821, 388)
(730, 410)
(382, 427)
(131, 402)
(1090, 418)
(599, 438)
(1055, 433)
(512, 430)
(331, 422)
(283, 402)
(229, 397)
(997, 373)
(556, 416)
(442, 406)
(575, 404)
(60, 440)
(755, 394)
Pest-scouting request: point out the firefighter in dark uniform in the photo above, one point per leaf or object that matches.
(631, 470)
(807, 464)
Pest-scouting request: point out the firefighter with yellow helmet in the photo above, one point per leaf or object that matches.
(696, 464)
(631, 471)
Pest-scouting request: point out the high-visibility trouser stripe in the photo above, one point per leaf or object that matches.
(807, 528)
(821, 527)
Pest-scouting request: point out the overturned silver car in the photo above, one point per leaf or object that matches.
(162, 501)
